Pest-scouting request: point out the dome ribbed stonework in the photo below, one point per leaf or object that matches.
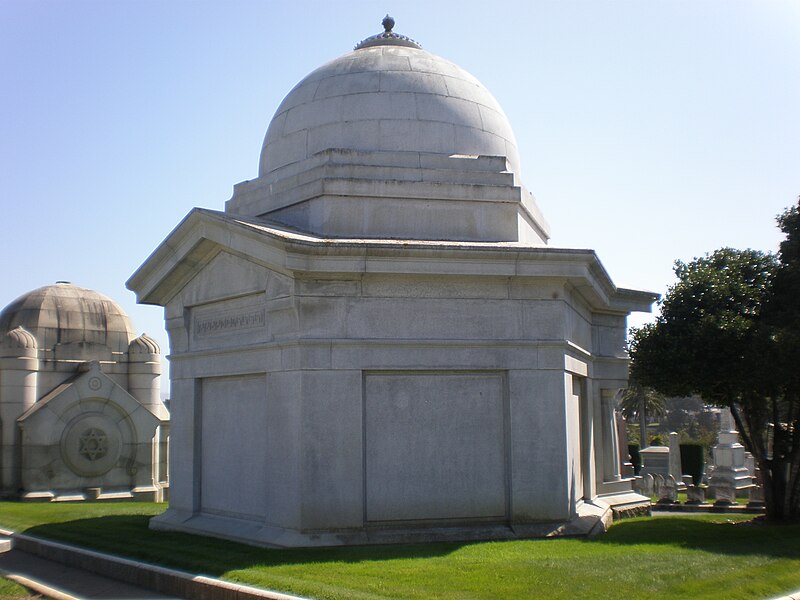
(64, 313)
(388, 98)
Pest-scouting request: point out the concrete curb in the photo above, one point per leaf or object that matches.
(159, 579)
(38, 587)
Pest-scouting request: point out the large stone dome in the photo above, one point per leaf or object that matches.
(392, 142)
(63, 313)
(388, 97)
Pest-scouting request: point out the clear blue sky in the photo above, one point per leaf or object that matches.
(649, 130)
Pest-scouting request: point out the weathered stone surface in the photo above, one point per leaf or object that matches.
(695, 494)
(668, 492)
(724, 493)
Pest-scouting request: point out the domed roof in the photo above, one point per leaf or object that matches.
(64, 313)
(19, 338)
(144, 344)
(388, 95)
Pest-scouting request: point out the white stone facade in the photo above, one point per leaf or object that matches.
(80, 409)
(373, 343)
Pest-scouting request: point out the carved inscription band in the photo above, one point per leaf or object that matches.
(232, 322)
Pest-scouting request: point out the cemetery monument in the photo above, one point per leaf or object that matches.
(374, 342)
(80, 412)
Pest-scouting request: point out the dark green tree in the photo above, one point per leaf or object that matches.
(781, 316)
(728, 331)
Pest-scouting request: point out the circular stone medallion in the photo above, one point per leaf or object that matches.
(95, 384)
(91, 444)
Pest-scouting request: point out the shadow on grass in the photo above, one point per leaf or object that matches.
(734, 538)
(129, 536)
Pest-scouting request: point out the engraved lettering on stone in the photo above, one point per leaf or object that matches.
(227, 323)
(93, 444)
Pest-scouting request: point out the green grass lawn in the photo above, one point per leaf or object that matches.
(11, 591)
(686, 556)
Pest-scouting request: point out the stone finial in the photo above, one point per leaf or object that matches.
(388, 37)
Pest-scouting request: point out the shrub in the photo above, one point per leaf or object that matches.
(636, 458)
(692, 461)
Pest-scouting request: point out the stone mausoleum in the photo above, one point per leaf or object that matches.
(374, 342)
(80, 410)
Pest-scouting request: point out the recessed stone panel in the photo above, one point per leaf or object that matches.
(228, 323)
(435, 446)
(233, 441)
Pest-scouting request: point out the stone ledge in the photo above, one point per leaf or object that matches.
(285, 186)
(710, 508)
(591, 519)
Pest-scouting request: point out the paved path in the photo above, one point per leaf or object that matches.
(64, 572)
(59, 582)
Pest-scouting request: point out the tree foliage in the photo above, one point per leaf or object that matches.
(782, 311)
(729, 330)
(638, 402)
(635, 397)
(704, 339)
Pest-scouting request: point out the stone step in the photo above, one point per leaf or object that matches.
(5, 544)
(610, 488)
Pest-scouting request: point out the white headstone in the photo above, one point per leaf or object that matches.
(675, 456)
(695, 494)
(669, 490)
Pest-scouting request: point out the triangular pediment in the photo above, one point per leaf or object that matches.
(226, 276)
(196, 242)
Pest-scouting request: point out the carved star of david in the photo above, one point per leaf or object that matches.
(93, 444)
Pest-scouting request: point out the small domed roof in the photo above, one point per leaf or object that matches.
(144, 344)
(64, 313)
(19, 337)
(388, 95)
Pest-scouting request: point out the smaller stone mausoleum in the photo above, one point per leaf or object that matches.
(374, 341)
(80, 410)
